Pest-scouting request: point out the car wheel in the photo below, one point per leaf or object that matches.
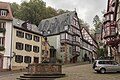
(102, 70)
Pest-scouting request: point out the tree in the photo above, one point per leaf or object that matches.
(34, 11)
(101, 52)
(50, 12)
(84, 24)
(15, 9)
(97, 22)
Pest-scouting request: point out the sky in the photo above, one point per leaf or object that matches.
(86, 9)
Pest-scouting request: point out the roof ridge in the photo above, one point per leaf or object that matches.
(58, 15)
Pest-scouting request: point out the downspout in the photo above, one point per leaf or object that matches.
(10, 66)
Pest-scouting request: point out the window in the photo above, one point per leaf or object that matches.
(62, 36)
(18, 58)
(77, 49)
(113, 32)
(36, 59)
(2, 24)
(73, 22)
(3, 13)
(19, 46)
(73, 48)
(28, 36)
(20, 34)
(62, 49)
(27, 59)
(43, 51)
(28, 47)
(2, 41)
(77, 39)
(35, 49)
(36, 38)
(67, 36)
(70, 50)
(70, 37)
(74, 38)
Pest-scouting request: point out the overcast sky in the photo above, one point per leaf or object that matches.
(86, 9)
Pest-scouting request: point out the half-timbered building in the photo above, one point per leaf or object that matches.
(65, 35)
(89, 45)
(111, 29)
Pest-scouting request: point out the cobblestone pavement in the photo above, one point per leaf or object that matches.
(85, 72)
(78, 72)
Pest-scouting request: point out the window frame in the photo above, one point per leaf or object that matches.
(18, 58)
(62, 49)
(3, 13)
(28, 36)
(36, 50)
(19, 44)
(2, 24)
(2, 41)
(27, 59)
(28, 47)
(36, 38)
(20, 34)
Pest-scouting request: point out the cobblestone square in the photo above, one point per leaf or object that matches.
(80, 72)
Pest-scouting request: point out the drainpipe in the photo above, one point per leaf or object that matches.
(10, 66)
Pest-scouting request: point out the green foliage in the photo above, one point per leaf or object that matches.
(101, 52)
(84, 24)
(33, 11)
(2, 48)
(50, 12)
(2, 30)
(97, 22)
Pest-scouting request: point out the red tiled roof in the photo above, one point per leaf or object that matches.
(7, 6)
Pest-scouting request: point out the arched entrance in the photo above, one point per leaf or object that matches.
(1, 61)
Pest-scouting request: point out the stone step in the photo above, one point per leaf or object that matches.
(44, 74)
(40, 76)
(35, 78)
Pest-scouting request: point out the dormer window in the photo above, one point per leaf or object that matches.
(3, 13)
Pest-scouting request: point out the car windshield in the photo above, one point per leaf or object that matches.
(115, 63)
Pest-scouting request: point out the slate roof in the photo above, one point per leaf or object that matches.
(19, 24)
(56, 24)
(6, 6)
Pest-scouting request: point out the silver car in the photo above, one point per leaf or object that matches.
(103, 66)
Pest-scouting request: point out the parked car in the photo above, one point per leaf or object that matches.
(102, 66)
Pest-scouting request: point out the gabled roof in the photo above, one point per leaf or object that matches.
(56, 24)
(6, 6)
(89, 35)
(29, 27)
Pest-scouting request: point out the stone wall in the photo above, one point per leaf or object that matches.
(44, 68)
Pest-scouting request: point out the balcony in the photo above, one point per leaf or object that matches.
(109, 27)
(108, 17)
(2, 48)
(63, 41)
(76, 43)
(76, 53)
(2, 30)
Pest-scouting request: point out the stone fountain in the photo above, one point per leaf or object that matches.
(43, 71)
